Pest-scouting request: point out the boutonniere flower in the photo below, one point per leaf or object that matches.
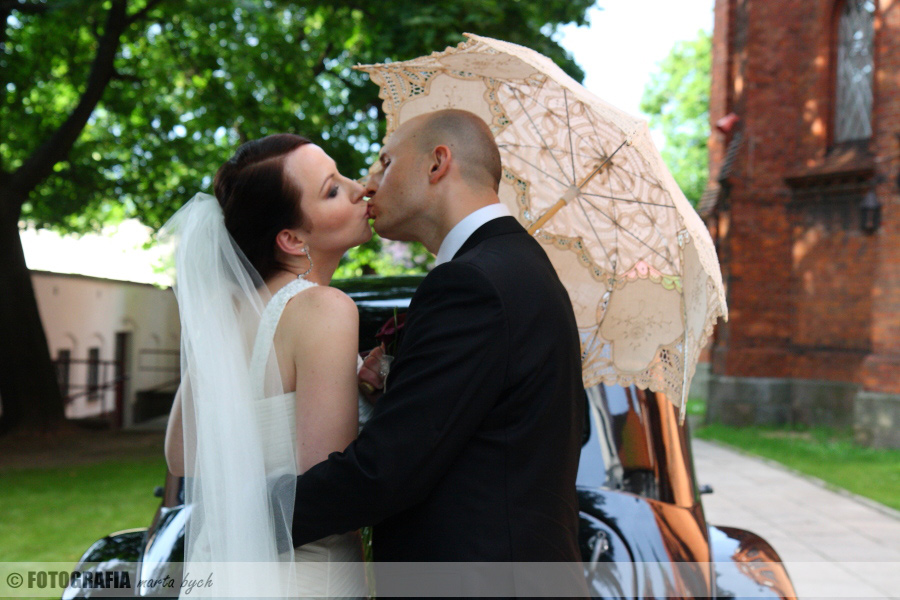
(389, 334)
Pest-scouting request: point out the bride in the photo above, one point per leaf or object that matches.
(269, 362)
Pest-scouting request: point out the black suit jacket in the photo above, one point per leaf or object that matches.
(472, 453)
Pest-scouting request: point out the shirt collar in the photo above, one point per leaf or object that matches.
(465, 228)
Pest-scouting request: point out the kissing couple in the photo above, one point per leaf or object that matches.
(471, 456)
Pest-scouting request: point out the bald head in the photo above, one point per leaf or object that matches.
(469, 139)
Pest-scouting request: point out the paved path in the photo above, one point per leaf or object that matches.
(835, 545)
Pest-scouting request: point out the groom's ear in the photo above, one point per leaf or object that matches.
(441, 157)
(289, 242)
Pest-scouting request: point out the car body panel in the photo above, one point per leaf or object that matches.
(119, 552)
(747, 565)
(643, 532)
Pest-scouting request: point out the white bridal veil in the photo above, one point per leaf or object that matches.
(239, 481)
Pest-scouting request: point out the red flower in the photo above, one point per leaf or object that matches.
(389, 334)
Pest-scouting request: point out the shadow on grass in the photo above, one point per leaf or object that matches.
(54, 514)
(61, 493)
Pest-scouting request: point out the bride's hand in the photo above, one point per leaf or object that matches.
(371, 375)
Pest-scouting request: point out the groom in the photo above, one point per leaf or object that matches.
(471, 455)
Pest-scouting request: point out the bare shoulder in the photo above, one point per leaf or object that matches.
(325, 297)
(321, 308)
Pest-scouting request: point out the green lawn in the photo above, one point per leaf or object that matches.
(54, 514)
(821, 452)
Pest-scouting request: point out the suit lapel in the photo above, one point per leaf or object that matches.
(494, 227)
(498, 226)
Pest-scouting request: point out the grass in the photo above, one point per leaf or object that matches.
(696, 406)
(54, 514)
(825, 453)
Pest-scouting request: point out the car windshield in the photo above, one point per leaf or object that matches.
(617, 452)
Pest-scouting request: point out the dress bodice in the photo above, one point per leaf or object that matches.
(276, 414)
(332, 566)
(265, 335)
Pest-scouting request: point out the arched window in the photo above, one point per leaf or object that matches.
(853, 89)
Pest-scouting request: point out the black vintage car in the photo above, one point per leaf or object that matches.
(643, 533)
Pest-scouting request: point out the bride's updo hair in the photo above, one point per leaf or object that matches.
(258, 200)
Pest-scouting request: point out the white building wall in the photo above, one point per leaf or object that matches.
(81, 312)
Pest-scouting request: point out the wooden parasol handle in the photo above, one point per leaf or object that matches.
(570, 195)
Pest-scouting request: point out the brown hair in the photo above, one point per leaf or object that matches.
(258, 200)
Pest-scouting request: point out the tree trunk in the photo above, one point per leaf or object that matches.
(29, 392)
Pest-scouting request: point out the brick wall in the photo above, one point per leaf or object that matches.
(808, 297)
(719, 99)
(882, 369)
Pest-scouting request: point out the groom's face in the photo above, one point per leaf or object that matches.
(398, 189)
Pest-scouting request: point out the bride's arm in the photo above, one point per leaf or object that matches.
(325, 327)
(175, 438)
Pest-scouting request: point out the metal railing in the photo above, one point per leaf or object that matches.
(100, 376)
(152, 360)
(94, 379)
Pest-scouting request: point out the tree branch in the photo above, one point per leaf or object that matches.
(242, 137)
(319, 68)
(95, 29)
(5, 11)
(56, 148)
(151, 4)
(119, 76)
(26, 8)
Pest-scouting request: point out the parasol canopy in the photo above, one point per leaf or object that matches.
(587, 181)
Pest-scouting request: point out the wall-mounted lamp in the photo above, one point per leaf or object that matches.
(870, 212)
(727, 123)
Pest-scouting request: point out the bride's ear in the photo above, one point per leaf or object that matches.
(290, 242)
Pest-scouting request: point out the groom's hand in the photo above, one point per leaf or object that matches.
(370, 377)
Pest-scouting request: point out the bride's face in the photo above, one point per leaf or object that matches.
(334, 214)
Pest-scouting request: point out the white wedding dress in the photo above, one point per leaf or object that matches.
(333, 566)
(239, 431)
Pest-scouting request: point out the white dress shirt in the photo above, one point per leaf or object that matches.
(465, 228)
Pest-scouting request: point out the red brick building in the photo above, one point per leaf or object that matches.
(804, 203)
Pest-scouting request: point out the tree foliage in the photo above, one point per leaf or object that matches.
(677, 100)
(194, 78)
(112, 109)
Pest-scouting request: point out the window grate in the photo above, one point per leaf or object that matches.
(856, 34)
(831, 208)
(93, 374)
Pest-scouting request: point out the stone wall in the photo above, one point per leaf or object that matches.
(743, 401)
(877, 420)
